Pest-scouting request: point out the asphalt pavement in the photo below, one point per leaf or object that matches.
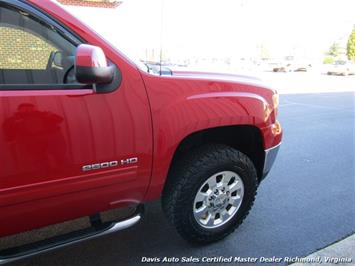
(306, 202)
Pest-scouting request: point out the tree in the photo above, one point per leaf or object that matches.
(350, 51)
(328, 60)
(334, 50)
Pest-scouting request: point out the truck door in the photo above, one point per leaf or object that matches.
(65, 150)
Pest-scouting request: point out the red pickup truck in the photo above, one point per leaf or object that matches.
(84, 130)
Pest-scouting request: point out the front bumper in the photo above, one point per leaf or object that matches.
(270, 156)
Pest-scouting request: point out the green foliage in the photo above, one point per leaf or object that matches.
(350, 51)
(328, 60)
(334, 50)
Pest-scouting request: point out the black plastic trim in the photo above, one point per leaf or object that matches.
(92, 75)
(106, 86)
(35, 87)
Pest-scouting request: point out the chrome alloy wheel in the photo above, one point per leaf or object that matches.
(218, 199)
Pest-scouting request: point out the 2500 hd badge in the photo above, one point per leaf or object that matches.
(103, 165)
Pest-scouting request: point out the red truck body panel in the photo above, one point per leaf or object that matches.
(47, 136)
(186, 104)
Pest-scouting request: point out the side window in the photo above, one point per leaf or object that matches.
(32, 52)
(22, 50)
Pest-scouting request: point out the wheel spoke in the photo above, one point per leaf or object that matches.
(224, 215)
(227, 178)
(210, 220)
(235, 200)
(236, 185)
(212, 182)
(201, 197)
(201, 212)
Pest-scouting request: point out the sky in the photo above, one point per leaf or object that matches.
(223, 28)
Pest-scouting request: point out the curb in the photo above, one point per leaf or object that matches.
(339, 253)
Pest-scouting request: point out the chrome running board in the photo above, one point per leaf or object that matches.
(97, 229)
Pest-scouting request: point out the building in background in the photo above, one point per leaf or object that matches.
(92, 3)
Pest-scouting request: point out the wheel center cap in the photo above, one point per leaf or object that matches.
(220, 200)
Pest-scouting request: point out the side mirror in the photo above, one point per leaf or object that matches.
(91, 65)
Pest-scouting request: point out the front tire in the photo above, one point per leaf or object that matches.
(209, 192)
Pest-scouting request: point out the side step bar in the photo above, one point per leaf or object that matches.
(97, 229)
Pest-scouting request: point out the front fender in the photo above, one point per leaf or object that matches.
(181, 107)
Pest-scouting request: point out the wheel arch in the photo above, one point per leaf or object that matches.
(244, 138)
